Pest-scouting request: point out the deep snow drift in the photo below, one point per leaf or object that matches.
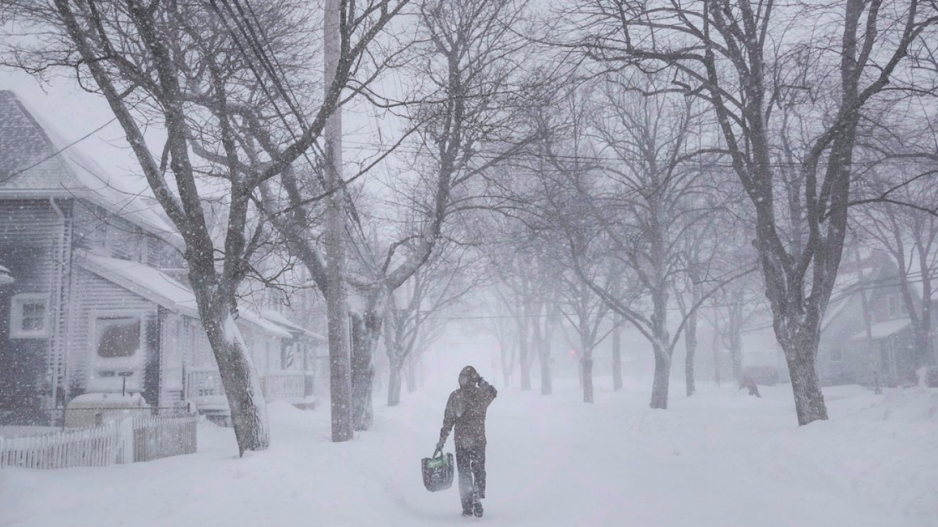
(716, 459)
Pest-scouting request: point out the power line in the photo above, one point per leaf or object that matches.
(57, 152)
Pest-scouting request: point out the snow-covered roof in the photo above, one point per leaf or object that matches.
(5, 277)
(143, 280)
(116, 400)
(159, 288)
(884, 329)
(269, 327)
(280, 320)
(36, 162)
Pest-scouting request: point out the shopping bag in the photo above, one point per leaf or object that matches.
(437, 471)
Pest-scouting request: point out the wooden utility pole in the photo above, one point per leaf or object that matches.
(336, 295)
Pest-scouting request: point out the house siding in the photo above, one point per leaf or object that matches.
(100, 232)
(95, 295)
(31, 246)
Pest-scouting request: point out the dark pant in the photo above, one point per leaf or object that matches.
(470, 462)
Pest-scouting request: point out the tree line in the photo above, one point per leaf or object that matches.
(597, 163)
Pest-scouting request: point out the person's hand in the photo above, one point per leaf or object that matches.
(439, 445)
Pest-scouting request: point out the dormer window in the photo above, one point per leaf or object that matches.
(29, 316)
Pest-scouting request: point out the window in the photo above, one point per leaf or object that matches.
(117, 336)
(837, 355)
(887, 356)
(893, 302)
(29, 318)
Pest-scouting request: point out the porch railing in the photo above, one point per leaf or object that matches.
(280, 385)
(202, 383)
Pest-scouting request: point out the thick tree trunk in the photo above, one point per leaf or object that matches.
(586, 378)
(394, 383)
(690, 343)
(239, 378)
(660, 385)
(364, 338)
(801, 353)
(410, 374)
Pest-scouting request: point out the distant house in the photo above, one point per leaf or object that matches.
(84, 305)
(851, 353)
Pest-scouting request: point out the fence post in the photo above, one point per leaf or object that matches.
(2, 452)
(126, 435)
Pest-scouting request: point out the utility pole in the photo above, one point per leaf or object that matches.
(336, 295)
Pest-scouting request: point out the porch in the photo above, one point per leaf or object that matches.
(204, 388)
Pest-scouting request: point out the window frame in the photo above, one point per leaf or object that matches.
(17, 303)
(93, 332)
(837, 355)
(892, 306)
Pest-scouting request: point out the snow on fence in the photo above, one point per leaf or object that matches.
(132, 439)
(83, 447)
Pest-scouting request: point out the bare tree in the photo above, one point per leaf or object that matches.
(910, 237)
(193, 69)
(463, 118)
(744, 59)
(639, 182)
(439, 285)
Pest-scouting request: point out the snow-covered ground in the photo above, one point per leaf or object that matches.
(717, 459)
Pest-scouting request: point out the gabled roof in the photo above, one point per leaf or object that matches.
(36, 163)
(144, 281)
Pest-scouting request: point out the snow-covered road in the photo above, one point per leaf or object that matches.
(714, 460)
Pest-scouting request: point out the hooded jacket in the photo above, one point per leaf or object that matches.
(466, 409)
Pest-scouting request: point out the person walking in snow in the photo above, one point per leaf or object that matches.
(466, 410)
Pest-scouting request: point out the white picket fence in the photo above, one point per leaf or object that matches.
(159, 437)
(129, 440)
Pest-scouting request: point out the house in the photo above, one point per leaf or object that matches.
(84, 305)
(852, 353)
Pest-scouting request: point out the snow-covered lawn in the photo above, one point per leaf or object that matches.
(713, 460)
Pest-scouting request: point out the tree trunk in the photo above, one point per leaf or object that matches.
(616, 358)
(800, 353)
(394, 383)
(547, 385)
(524, 351)
(586, 377)
(542, 348)
(507, 363)
(242, 386)
(364, 337)
(717, 363)
(690, 343)
(410, 374)
(736, 353)
(660, 385)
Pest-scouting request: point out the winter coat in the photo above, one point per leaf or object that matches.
(466, 410)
